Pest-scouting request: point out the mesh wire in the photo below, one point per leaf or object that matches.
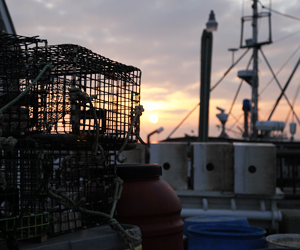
(23, 190)
(18, 68)
(78, 173)
(68, 128)
(78, 75)
(82, 92)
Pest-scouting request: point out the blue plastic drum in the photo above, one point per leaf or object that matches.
(214, 220)
(226, 237)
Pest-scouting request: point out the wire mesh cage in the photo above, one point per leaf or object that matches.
(29, 226)
(41, 185)
(68, 123)
(90, 95)
(18, 68)
(84, 94)
(79, 176)
(23, 190)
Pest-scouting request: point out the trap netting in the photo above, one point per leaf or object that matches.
(65, 111)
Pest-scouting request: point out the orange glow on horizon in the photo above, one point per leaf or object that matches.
(174, 107)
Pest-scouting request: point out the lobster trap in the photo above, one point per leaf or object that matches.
(84, 94)
(40, 188)
(19, 66)
(91, 95)
(23, 190)
(68, 124)
(80, 179)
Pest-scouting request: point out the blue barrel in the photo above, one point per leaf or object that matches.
(227, 237)
(214, 220)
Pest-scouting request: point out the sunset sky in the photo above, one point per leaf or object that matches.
(162, 38)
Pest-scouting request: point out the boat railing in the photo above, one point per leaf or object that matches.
(288, 172)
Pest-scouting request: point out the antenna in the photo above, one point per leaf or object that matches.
(223, 119)
(222, 110)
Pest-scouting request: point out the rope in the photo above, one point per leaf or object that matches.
(232, 66)
(141, 140)
(7, 143)
(126, 235)
(138, 112)
(22, 94)
(281, 68)
(211, 89)
(67, 167)
(118, 191)
(183, 121)
(77, 94)
(294, 101)
(279, 13)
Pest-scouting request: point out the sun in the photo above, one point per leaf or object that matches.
(153, 118)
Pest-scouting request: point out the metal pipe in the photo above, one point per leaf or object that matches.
(251, 215)
(254, 99)
(148, 142)
(206, 56)
(152, 133)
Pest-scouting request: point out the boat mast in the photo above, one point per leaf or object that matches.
(251, 76)
(254, 98)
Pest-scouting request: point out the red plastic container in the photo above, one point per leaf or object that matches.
(151, 204)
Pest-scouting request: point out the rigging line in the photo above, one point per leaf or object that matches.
(236, 62)
(183, 121)
(279, 13)
(294, 101)
(236, 121)
(234, 117)
(234, 99)
(282, 89)
(243, 2)
(233, 131)
(288, 36)
(238, 90)
(266, 113)
(277, 73)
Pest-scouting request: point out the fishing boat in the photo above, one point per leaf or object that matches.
(223, 175)
(255, 127)
(246, 176)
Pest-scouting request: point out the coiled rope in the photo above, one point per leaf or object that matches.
(137, 112)
(126, 235)
(77, 94)
(7, 143)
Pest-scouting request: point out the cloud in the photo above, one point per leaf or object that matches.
(162, 38)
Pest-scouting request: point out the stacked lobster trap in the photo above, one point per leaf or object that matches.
(65, 111)
(17, 71)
